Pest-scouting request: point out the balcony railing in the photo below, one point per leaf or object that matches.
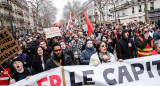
(21, 20)
(17, 2)
(19, 11)
(126, 5)
(8, 17)
(6, 5)
(25, 7)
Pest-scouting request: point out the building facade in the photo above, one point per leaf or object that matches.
(32, 15)
(133, 10)
(14, 16)
(92, 10)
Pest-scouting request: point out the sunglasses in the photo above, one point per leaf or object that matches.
(146, 31)
(57, 50)
(103, 45)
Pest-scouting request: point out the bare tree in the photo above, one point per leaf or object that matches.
(72, 7)
(45, 13)
(100, 5)
(48, 13)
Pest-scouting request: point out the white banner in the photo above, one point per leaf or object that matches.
(52, 32)
(48, 78)
(134, 72)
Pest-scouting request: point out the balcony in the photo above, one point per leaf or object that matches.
(18, 11)
(17, 2)
(21, 20)
(25, 7)
(126, 5)
(8, 17)
(6, 5)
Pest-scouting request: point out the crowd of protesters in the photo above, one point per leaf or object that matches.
(108, 43)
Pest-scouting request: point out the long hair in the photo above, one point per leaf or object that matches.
(37, 57)
(98, 46)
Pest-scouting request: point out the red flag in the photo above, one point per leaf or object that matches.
(4, 78)
(72, 16)
(89, 25)
(70, 24)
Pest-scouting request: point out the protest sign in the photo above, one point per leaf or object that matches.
(52, 32)
(8, 46)
(134, 72)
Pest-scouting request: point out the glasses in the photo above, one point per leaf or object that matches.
(57, 50)
(103, 45)
(146, 31)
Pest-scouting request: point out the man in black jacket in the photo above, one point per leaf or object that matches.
(125, 47)
(58, 58)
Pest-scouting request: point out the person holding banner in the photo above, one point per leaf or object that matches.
(58, 58)
(102, 55)
(20, 71)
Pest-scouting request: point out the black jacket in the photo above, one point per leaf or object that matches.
(37, 65)
(66, 60)
(123, 49)
(19, 76)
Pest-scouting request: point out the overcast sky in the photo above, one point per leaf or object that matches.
(60, 4)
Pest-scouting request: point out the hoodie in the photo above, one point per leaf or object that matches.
(125, 47)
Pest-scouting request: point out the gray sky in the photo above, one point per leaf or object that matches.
(60, 5)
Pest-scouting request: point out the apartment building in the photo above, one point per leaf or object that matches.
(14, 15)
(131, 10)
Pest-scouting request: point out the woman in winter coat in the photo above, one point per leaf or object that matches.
(67, 50)
(87, 53)
(39, 60)
(102, 55)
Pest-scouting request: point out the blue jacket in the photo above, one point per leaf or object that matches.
(155, 36)
(86, 54)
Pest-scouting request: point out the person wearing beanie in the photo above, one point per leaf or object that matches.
(67, 49)
(87, 53)
(20, 72)
(125, 47)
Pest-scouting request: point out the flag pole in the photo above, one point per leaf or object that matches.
(5, 70)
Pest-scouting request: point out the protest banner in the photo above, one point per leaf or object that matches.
(133, 72)
(51, 77)
(8, 46)
(52, 32)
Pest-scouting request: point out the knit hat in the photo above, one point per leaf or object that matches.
(17, 59)
(124, 31)
(62, 41)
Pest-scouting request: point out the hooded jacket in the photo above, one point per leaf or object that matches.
(86, 54)
(66, 60)
(126, 48)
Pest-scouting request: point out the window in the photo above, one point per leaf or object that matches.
(140, 8)
(123, 13)
(132, 10)
(152, 6)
